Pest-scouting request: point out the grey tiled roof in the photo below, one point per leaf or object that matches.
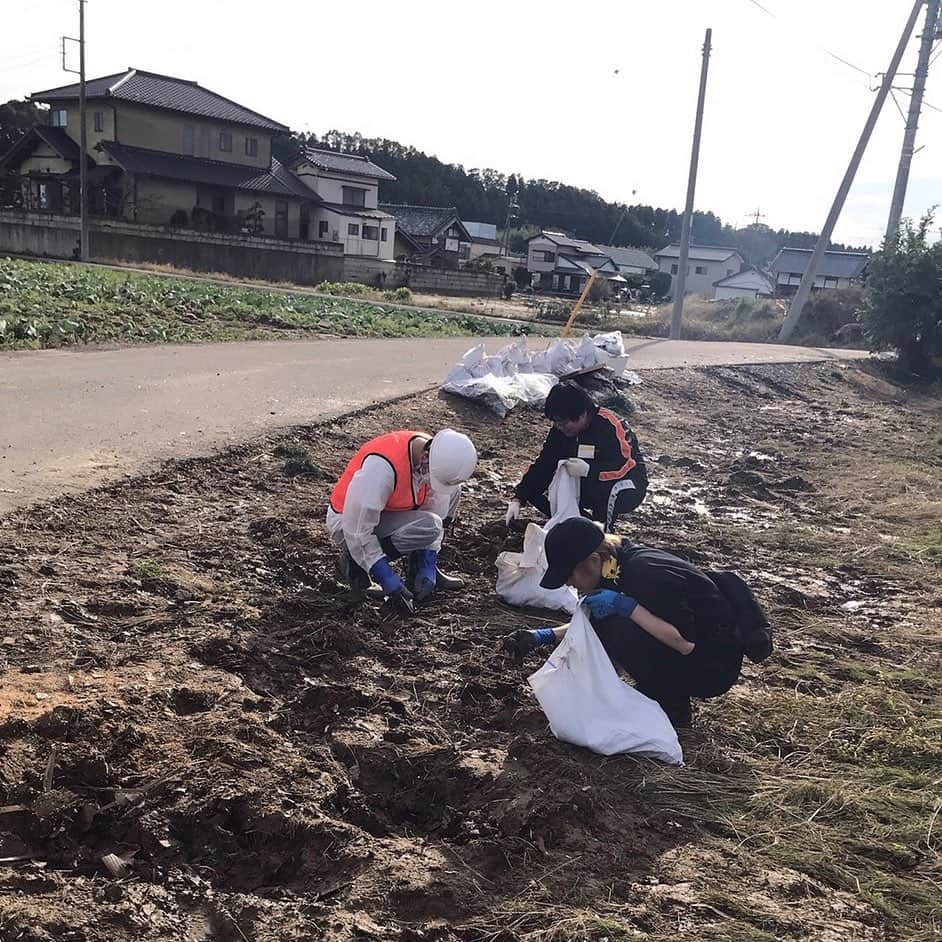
(623, 255)
(356, 211)
(276, 182)
(345, 163)
(567, 242)
(421, 220)
(56, 138)
(700, 253)
(163, 91)
(833, 264)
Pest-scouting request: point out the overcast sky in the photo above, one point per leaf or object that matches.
(600, 95)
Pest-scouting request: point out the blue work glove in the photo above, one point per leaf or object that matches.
(606, 602)
(426, 574)
(386, 576)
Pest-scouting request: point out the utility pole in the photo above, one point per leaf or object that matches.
(912, 122)
(83, 140)
(814, 263)
(512, 208)
(83, 137)
(680, 283)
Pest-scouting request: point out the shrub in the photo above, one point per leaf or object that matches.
(179, 219)
(661, 284)
(828, 311)
(398, 294)
(507, 291)
(903, 309)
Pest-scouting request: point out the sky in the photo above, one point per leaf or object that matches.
(601, 96)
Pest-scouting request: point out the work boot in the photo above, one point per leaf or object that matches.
(352, 574)
(448, 583)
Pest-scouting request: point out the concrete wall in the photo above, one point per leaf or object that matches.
(241, 256)
(378, 273)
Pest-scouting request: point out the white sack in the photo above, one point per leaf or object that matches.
(516, 375)
(519, 574)
(611, 343)
(588, 704)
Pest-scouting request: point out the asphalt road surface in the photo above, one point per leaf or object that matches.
(72, 419)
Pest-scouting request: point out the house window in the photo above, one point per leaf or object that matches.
(371, 232)
(322, 227)
(225, 141)
(701, 269)
(353, 196)
(251, 147)
(830, 282)
(353, 229)
(453, 232)
(549, 256)
(464, 250)
(189, 139)
(673, 269)
(383, 235)
(99, 121)
(58, 118)
(281, 219)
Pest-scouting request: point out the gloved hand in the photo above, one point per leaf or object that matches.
(576, 467)
(387, 577)
(522, 642)
(513, 511)
(607, 602)
(426, 575)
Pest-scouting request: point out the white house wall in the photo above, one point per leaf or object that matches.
(701, 282)
(338, 230)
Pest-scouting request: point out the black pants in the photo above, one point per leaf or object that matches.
(605, 511)
(664, 674)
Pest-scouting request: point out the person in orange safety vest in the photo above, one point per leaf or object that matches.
(395, 498)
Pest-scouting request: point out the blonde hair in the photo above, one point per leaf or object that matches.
(609, 546)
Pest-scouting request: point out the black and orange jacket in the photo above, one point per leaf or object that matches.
(615, 455)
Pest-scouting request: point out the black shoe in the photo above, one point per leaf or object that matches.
(679, 712)
(352, 574)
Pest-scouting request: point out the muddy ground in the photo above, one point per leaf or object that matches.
(185, 686)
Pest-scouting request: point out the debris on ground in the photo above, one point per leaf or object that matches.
(269, 762)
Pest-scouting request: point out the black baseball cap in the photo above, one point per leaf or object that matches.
(567, 544)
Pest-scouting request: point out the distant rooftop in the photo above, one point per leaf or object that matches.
(354, 164)
(702, 253)
(564, 241)
(421, 220)
(623, 255)
(163, 91)
(833, 264)
(481, 231)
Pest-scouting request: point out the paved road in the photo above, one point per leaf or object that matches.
(70, 419)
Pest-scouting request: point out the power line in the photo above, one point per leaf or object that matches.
(823, 49)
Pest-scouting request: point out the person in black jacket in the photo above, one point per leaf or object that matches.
(678, 631)
(598, 446)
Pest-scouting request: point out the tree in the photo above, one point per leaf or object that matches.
(904, 297)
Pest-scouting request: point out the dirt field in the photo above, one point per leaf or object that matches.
(184, 686)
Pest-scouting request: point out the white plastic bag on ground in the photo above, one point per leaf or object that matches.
(588, 704)
(519, 574)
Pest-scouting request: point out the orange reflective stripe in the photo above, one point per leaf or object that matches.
(623, 443)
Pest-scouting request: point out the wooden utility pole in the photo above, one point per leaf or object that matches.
(680, 282)
(912, 122)
(793, 317)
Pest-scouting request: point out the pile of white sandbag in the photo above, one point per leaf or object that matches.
(516, 374)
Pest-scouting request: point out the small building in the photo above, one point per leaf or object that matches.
(484, 239)
(749, 283)
(706, 265)
(429, 234)
(838, 270)
(630, 261)
(161, 150)
(346, 188)
(562, 264)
